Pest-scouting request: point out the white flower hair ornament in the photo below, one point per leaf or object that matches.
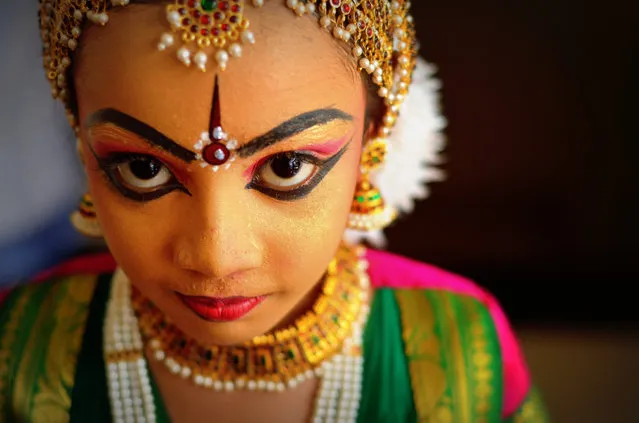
(414, 149)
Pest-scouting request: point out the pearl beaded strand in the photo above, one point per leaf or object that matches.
(130, 393)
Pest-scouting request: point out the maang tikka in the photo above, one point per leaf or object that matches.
(215, 148)
(208, 23)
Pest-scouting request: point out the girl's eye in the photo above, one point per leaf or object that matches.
(287, 171)
(143, 173)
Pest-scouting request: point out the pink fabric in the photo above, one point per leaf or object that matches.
(391, 271)
(96, 263)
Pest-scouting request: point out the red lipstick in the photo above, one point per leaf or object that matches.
(224, 309)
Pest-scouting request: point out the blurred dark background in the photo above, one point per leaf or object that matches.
(540, 205)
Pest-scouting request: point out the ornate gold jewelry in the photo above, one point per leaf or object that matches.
(208, 23)
(379, 32)
(368, 210)
(84, 220)
(273, 361)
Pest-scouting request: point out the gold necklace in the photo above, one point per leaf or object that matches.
(272, 361)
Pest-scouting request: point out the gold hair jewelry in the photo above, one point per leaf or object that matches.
(379, 33)
(274, 361)
(368, 210)
(84, 219)
(208, 23)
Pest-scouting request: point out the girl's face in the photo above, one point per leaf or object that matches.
(266, 227)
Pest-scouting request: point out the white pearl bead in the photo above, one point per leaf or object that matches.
(300, 9)
(184, 56)
(221, 56)
(185, 372)
(357, 51)
(325, 21)
(364, 62)
(167, 39)
(235, 50)
(248, 37)
(174, 18)
(200, 60)
(258, 3)
(310, 8)
(291, 3)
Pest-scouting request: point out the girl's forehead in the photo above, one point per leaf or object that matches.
(274, 80)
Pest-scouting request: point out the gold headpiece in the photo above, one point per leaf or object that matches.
(379, 32)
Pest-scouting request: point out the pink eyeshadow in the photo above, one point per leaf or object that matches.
(326, 149)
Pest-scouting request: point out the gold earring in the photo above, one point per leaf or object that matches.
(368, 211)
(84, 219)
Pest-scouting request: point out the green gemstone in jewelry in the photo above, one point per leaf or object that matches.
(360, 199)
(208, 5)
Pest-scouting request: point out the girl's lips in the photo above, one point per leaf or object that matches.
(224, 309)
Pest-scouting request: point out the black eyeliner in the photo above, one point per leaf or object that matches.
(109, 166)
(325, 166)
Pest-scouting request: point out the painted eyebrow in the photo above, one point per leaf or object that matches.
(149, 134)
(293, 126)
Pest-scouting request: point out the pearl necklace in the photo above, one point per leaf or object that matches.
(129, 384)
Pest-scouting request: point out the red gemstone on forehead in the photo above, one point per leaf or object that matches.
(369, 32)
(225, 27)
(235, 8)
(215, 31)
(218, 16)
(186, 22)
(224, 6)
(216, 154)
(206, 20)
(336, 3)
(361, 24)
(346, 8)
(191, 3)
(234, 19)
(204, 32)
(196, 14)
(182, 11)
